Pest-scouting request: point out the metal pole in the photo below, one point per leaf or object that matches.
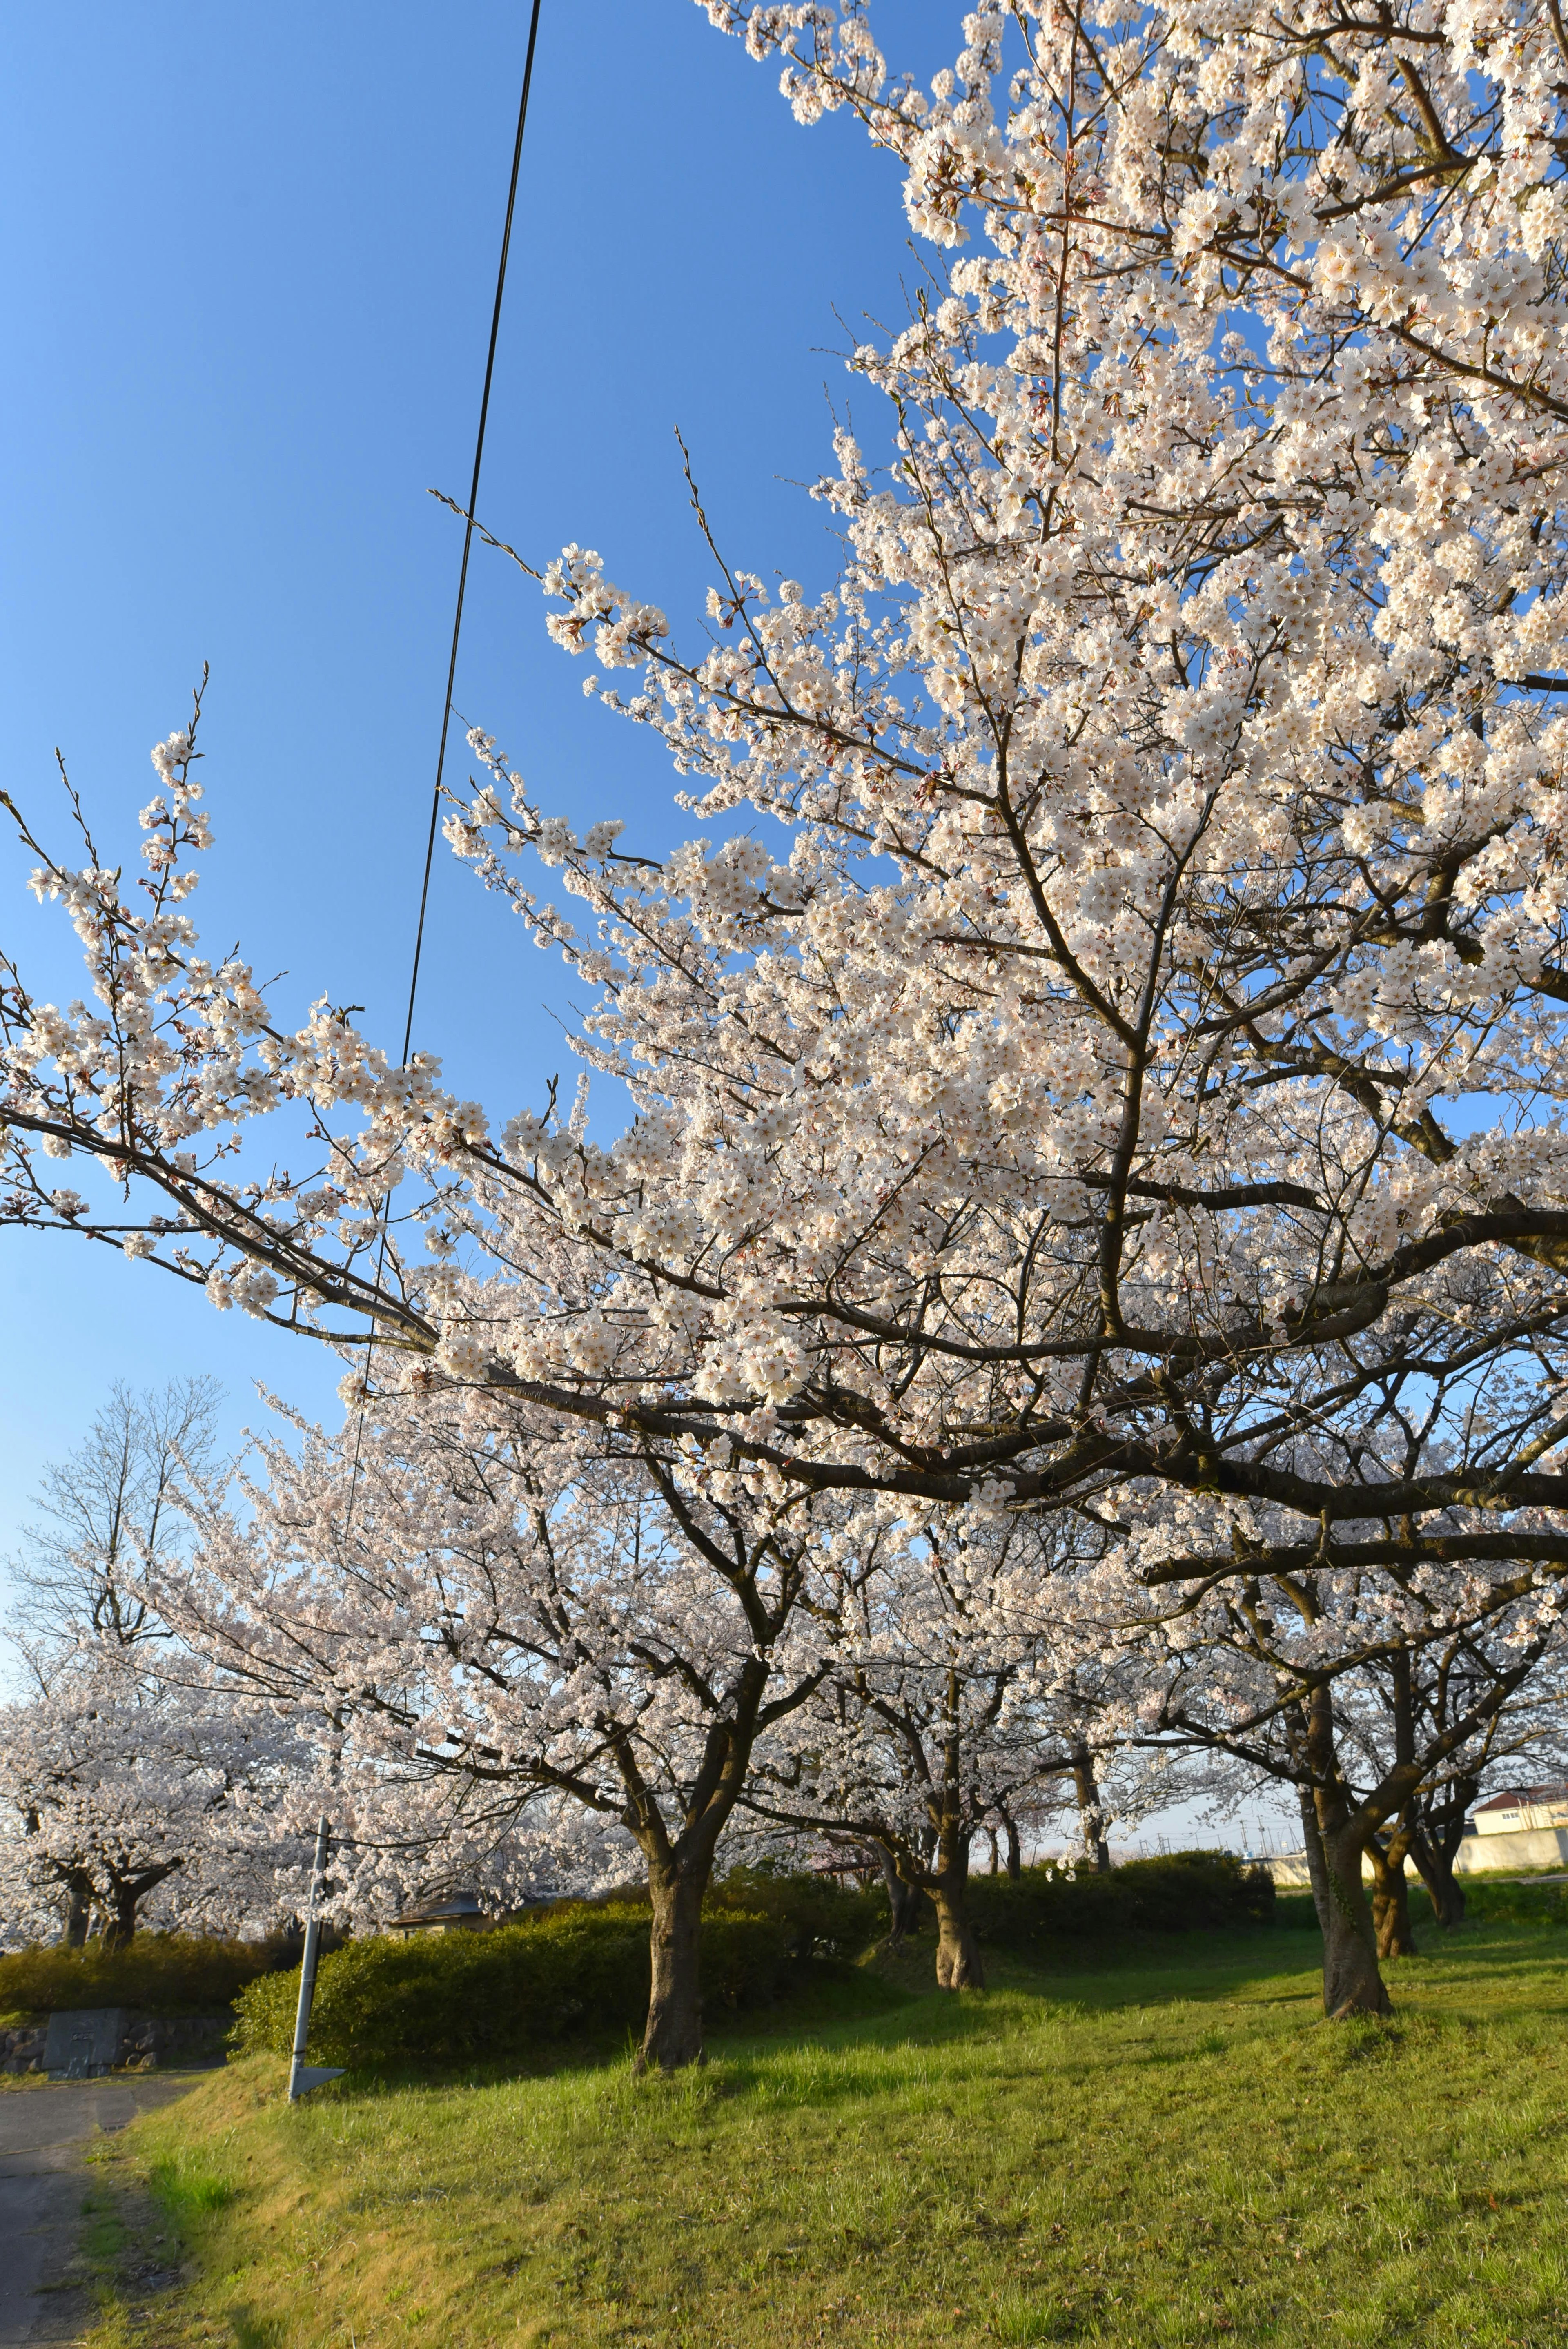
(304, 2076)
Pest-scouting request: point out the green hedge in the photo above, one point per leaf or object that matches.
(820, 1917)
(1180, 1892)
(1489, 1903)
(579, 1970)
(166, 1973)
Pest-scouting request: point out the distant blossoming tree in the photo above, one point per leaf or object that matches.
(129, 1783)
(940, 1709)
(505, 1621)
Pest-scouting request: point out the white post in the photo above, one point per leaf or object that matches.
(304, 2076)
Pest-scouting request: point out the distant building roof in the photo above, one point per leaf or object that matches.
(457, 1909)
(1515, 1798)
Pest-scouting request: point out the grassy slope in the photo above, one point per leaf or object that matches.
(1166, 2150)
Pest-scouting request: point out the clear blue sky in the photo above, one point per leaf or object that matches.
(247, 278)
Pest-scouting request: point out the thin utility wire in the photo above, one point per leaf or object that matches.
(469, 527)
(453, 672)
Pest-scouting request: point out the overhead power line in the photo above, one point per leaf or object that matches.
(469, 527)
(452, 669)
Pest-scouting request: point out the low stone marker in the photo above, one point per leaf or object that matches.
(83, 2044)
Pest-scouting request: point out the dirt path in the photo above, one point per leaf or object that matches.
(43, 2135)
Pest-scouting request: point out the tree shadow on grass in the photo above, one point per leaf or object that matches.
(254, 2332)
(853, 2034)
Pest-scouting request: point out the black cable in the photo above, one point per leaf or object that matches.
(452, 669)
(468, 528)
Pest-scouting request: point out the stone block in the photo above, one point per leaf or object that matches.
(84, 2043)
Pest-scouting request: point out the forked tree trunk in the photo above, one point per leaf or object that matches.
(1443, 1887)
(119, 1927)
(673, 2035)
(1351, 1981)
(958, 1962)
(1391, 1928)
(119, 1930)
(130, 1892)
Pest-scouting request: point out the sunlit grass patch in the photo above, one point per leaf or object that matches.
(1175, 2153)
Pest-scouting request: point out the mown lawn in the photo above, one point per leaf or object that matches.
(1170, 2149)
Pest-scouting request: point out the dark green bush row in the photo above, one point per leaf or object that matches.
(820, 1917)
(575, 1971)
(1180, 1892)
(166, 1973)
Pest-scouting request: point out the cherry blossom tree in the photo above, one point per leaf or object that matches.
(1395, 1709)
(1130, 1038)
(501, 1616)
(108, 1795)
(125, 1802)
(1372, 1687)
(934, 1716)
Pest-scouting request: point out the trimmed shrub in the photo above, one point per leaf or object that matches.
(820, 1917)
(163, 1973)
(1180, 1892)
(578, 1971)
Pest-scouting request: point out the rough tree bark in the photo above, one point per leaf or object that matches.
(1317, 1866)
(1091, 1811)
(959, 1965)
(1392, 1930)
(672, 2037)
(1351, 1981)
(127, 1894)
(78, 1907)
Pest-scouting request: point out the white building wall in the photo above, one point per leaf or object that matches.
(1505, 1852)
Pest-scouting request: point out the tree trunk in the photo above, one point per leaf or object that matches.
(1391, 1927)
(903, 1901)
(1436, 1838)
(1351, 1981)
(1317, 1866)
(120, 1930)
(1014, 1849)
(130, 1892)
(1436, 1871)
(78, 1908)
(958, 1960)
(1091, 1813)
(673, 2036)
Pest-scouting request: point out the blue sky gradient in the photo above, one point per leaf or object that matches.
(247, 282)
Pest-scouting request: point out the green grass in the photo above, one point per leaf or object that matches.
(1167, 2149)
